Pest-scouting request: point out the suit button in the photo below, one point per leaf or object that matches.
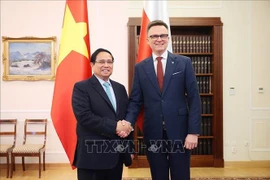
(163, 125)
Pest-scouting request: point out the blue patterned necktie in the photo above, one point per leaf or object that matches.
(108, 92)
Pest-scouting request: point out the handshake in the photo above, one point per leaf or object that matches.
(123, 128)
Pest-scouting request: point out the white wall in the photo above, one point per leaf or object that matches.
(246, 37)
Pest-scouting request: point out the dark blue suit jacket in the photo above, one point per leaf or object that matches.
(98, 145)
(178, 104)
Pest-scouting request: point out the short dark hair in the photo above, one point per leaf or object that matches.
(156, 23)
(99, 50)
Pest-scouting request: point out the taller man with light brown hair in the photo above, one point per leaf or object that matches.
(165, 84)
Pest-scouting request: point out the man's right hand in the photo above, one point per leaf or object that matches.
(123, 128)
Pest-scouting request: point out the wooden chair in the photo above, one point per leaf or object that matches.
(6, 148)
(28, 149)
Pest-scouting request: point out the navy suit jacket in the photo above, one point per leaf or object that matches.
(178, 104)
(97, 144)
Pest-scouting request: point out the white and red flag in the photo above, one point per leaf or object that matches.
(152, 10)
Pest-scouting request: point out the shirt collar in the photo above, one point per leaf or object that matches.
(101, 81)
(164, 55)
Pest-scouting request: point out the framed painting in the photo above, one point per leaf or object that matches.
(29, 58)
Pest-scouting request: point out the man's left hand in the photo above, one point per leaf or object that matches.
(191, 141)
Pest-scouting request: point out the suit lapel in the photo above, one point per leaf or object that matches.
(150, 71)
(97, 86)
(170, 66)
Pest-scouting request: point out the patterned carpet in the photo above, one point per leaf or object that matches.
(219, 178)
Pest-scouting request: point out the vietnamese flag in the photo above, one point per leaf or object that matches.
(73, 66)
(153, 10)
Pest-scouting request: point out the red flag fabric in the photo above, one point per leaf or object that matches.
(73, 66)
(153, 10)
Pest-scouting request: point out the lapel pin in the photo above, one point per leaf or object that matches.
(172, 62)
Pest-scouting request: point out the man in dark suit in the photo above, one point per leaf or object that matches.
(165, 84)
(99, 104)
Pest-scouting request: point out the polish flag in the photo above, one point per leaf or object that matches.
(153, 10)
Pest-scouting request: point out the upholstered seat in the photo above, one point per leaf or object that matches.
(4, 148)
(28, 148)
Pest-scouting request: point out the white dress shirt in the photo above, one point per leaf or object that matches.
(163, 60)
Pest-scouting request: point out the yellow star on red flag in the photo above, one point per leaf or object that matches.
(73, 34)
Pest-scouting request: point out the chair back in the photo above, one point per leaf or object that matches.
(8, 127)
(35, 127)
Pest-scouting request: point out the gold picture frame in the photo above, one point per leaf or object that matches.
(29, 58)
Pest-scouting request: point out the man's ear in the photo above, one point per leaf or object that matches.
(147, 40)
(92, 64)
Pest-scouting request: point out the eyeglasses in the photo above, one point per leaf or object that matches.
(102, 62)
(161, 36)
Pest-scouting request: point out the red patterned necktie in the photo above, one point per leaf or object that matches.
(159, 72)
